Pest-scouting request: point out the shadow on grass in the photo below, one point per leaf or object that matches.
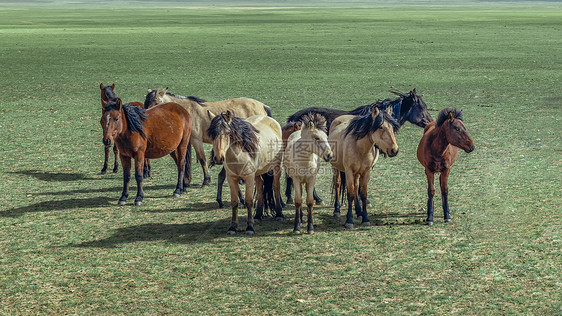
(190, 233)
(48, 206)
(54, 176)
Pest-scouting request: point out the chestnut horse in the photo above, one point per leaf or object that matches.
(140, 134)
(356, 142)
(248, 148)
(437, 152)
(301, 161)
(108, 94)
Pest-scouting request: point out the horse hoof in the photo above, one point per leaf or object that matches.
(289, 201)
(115, 170)
(121, 203)
(177, 195)
(366, 224)
(296, 231)
(103, 171)
(447, 220)
(221, 204)
(348, 225)
(231, 232)
(250, 233)
(336, 214)
(360, 218)
(138, 203)
(319, 202)
(279, 218)
(429, 223)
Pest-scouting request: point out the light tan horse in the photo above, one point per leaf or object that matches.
(301, 161)
(199, 111)
(248, 148)
(356, 142)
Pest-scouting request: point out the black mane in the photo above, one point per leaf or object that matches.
(241, 132)
(135, 116)
(362, 125)
(444, 115)
(152, 95)
(109, 93)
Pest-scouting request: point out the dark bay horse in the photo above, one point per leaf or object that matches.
(140, 134)
(108, 94)
(408, 107)
(437, 152)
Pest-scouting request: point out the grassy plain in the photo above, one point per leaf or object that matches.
(66, 247)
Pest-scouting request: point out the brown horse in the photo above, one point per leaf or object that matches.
(108, 94)
(437, 152)
(140, 134)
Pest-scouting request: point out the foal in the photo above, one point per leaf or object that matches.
(437, 152)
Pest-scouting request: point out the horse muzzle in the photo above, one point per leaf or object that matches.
(218, 161)
(470, 149)
(393, 153)
(107, 141)
(329, 157)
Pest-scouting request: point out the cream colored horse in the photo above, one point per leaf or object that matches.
(356, 142)
(302, 160)
(199, 111)
(248, 148)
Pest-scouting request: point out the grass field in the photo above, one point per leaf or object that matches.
(66, 247)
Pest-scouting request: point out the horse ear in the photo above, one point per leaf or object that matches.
(310, 125)
(211, 114)
(450, 116)
(149, 90)
(101, 86)
(227, 116)
(113, 87)
(119, 104)
(103, 104)
(376, 112)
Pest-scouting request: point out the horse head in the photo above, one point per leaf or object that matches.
(112, 120)
(413, 109)
(107, 94)
(384, 137)
(456, 133)
(219, 131)
(314, 129)
(154, 97)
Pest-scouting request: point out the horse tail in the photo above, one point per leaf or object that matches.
(188, 162)
(267, 110)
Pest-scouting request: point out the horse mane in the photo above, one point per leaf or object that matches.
(362, 125)
(444, 115)
(241, 132)
(135, 116)
(109, 93)
(152, 94)
(317, 119)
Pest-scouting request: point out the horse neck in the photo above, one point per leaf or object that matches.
(199, 119)
(439, 142)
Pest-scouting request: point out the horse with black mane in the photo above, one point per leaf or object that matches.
(140, 134)
(408, 107)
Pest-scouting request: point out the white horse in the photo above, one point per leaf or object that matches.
(302, 160)
(248, 148)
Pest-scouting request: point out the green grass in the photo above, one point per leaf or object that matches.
(66, 247)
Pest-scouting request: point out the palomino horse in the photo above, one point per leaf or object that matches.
(302, 160)
(198, 109)
(356, 142)
(140, 134)
(408, 107)
(248, 148)
(437, 152)
(108, 94)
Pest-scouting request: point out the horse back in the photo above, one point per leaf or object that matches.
(240, 107)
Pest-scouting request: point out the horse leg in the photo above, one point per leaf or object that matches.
(249, 194)
(187, 174)
(337, 185)
(126, 162)
(298, 206)
(116, 163)
(316, 197)
(430, 194)
(310, 205)
(106, 159)
(146, 169)
(220, 182)
(364, 181)
(139, 166)
(288, 189)
(179, 185)
(277, 190)
(358, 207)
(200, 153)
(233, 184)
(260, 196)
(443, 182)
(351, 196)
(268, 202)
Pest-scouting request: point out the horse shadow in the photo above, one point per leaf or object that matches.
(59, 205)
(54, 176)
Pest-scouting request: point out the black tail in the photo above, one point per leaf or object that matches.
(188, 162)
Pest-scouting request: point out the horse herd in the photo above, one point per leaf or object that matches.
(253, 148)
